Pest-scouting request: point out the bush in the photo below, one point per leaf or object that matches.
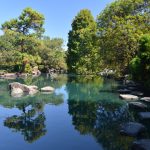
(135, 67)
(28, 68)
(140, 65)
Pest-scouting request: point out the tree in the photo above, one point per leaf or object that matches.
(52, 54)
(23, 46)
(82, 56)
(26, 28)
(140, 65)
(120, 26)
(29, 22)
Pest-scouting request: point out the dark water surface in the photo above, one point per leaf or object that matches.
(83, 113)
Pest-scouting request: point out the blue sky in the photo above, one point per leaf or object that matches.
(58, 13)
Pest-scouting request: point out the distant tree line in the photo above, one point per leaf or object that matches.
(23, 45)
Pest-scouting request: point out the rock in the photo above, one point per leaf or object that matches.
(24, 87)
(137, 93)
(15, 86)
(47, 89)
(146, 99)
(133, 88)
(124, 91)
(17, 92)
(137, 105)
(144, 115)
(128, 97)
(10, 76)
(23, 75)
(32, 91)
(47, 93)
(33, 87)
(36, 71)
(107, 72)
(143, 144)
(130, 83)
(132, 129)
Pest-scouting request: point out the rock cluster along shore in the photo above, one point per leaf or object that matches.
(130, 92)
(135, 129)
(20, 75)
(18, 89)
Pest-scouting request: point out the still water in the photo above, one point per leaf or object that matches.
(83, 113)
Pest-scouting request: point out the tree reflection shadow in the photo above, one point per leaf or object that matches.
(102, 122)
(31, 123)
(99, 115)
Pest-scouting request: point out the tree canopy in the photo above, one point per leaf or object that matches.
(140, 65)
(82, 48)
(24, 41)
(120, 26)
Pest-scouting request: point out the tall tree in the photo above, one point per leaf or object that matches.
(26, 28)
(120, 26)
(82, 47)
(140, 65)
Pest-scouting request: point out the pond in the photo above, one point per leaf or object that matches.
(83, 113)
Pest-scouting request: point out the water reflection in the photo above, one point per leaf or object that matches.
(92, 102)
(30, 125)
(98, 112)
(83, 115)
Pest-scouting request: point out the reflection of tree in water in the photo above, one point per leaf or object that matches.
(31, 123)
(84, 88)
(100, 118)
(83, 115)
(107, 127)
(102, 122)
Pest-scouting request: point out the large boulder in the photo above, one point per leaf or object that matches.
(17, 85)
(132, 129)
(33, 87)
(128, 97)
(16, 92)
(144, 115)
(137, 93)
(47, 89)
(18, 88)
(145, 99)
(143, 144)
(137, 105)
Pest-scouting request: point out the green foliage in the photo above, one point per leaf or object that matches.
(26, 29)
(29, 22)
(140, 65)
(82, 56)
(52, 53)
(28, 68)
(135, 66)
(120, 26)
(22, 46)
